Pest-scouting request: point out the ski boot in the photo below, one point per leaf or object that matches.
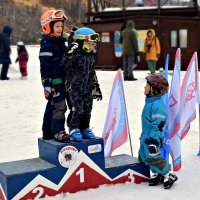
(156, 179)
(75, 134)
(62, 136)
(47, 135)
(87, 133)
(169, 180)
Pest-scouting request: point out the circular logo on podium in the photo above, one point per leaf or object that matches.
(67, 156)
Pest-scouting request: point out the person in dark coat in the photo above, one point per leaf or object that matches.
(129, 43)
(52, 48)
(70, 39)
(5, 51)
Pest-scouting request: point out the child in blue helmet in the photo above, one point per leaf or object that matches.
(154, 116)
(81, 82)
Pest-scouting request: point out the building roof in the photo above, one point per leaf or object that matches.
(106, 27)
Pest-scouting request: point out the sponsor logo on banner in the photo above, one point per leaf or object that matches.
(94, 148)
(67, 156)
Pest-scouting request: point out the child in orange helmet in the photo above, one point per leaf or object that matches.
(52, 48)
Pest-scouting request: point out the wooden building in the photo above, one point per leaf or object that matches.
(176, 26)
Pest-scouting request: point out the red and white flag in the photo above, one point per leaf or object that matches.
(189, 95)
(116, 128)
(174, 115)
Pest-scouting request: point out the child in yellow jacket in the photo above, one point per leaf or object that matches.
(152, 50)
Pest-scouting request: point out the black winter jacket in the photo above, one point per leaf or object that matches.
(51, 52)
(79, 71)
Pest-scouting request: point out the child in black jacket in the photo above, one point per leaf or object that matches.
(80, 82)
(52, 48)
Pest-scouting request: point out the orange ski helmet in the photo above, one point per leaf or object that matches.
(51, 16)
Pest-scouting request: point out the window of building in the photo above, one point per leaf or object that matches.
(178, 38)
(105, 37)
(173, 38)
(183, 38)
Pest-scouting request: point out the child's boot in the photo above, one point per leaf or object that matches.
(75, 134)
(62, 136)
(156, 179)
(87, 133)
(169, 180)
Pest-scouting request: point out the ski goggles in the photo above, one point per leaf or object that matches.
(91, 38)
(58, 14)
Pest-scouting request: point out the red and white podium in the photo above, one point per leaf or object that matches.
(67, 167)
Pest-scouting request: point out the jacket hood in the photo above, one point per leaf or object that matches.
(130, 24)
(153, 32)
(7, 30)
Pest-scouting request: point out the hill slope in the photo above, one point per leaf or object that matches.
(23, 16)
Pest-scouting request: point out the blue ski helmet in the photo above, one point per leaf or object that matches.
(86, 34)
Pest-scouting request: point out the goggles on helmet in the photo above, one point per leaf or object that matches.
(58, 14)
(91, 38)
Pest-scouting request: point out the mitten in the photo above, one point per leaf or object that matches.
(47, 93)
(153, 144)
(96, 92)
(47, 88)
(153, 149)
(72, 47)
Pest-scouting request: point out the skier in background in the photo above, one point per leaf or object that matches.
(22, 58)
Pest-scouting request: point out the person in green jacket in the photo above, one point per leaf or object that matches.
(129, 43)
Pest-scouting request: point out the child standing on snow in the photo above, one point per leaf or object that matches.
(152, 50)
(81, 82)
(154, 116)
(52, 48)
(23, 59)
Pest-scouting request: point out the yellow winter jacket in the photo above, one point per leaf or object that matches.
(152, 46)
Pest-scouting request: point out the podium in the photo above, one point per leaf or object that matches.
(67, 167)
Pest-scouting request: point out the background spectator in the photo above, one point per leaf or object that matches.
(129, 42)
(5, 51)
(152, 50)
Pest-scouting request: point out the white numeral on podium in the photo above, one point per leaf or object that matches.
(81, 172)
(41, 191)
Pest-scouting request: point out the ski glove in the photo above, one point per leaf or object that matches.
(153, 150)
(50, 93)
(72, 47)
(153, 146)
(47, 88)
(47, 93)
(96, 92)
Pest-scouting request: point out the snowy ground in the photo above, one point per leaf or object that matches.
(22, 106)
